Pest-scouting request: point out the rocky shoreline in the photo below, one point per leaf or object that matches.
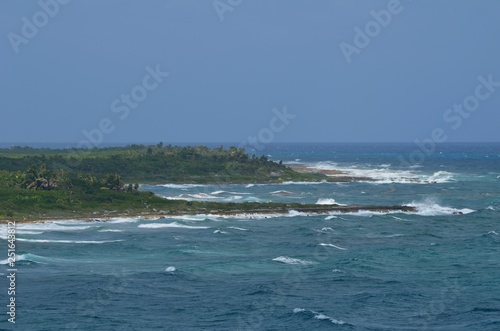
(308, 209)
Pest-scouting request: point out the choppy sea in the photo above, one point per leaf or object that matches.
(435, 269)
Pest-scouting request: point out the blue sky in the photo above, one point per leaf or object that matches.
(67, 68)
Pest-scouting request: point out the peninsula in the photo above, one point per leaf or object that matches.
(43, 184)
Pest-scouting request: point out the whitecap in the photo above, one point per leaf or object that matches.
(334, 246)
(169, 225)
(220, 231)
(328, 202)
(493, 232)
(384, 174)
(250, 185)
(180, 186)
(50, 226)
(490, 208)
(237, 228)
(327, 229)
(337, 271)
(28, 232)
(431, 208)
(123, 220)
(291, 260)
(170, 269)
(319, 316)
(259, 216)
(304, 183)
(330, 217)
(398, 218)
(109, 230)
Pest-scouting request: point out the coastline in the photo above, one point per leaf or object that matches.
(309, 209)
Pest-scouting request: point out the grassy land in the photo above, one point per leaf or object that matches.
(37, 184)
(45, 183)
(155, 164)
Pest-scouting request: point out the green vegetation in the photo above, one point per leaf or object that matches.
(157, 164)
(45, 183)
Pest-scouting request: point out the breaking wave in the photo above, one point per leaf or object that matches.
(432, 208)
(169, 225)
(382, 174)
(291, 260)
(318, 316)
(329, 202)
(334, 246)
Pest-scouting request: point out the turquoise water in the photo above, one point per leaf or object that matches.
(436, 269)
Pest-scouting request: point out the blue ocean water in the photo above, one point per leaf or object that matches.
(436, 269)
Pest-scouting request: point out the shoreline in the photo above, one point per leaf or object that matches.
(319, 210)
(333, 175)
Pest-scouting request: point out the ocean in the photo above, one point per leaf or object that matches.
(434, 269)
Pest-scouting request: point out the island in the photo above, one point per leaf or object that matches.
(101, 183)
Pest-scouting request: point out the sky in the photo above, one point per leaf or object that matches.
(122, 71)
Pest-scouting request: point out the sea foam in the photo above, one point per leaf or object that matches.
(431, 208)
(170, 225)
(318, 316)
(328, 202)
(291, 260)
(334, 246)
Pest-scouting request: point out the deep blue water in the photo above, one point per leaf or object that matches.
(437, 269)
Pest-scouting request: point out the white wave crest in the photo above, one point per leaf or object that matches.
(319, 316)
(304, 183)
(291, 260)
(334, 246)
(28, 232)
(431, 208)
(170, 225)
(170, 269)
(383, 174)
(50, 226)
(180, 186)
(123, 220)
(328, 202)
(237, 228)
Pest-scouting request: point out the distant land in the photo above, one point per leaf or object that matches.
(44, 183)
